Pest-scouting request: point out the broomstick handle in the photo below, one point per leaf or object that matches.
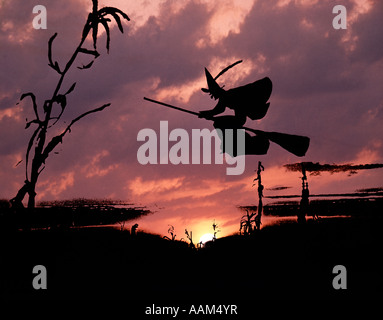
(258, 132)
(170, 106)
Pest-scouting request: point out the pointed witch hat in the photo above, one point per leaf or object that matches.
(214, 88)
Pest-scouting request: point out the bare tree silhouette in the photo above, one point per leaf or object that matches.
(190, 237)
(133, 230)
(43, 148)
(260, 195)
(252, 221)
(172, 233)
(215, 230)
(246, 223)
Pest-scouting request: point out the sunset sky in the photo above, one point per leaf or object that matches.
(327, 85)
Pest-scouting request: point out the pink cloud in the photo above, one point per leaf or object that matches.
(54, 187)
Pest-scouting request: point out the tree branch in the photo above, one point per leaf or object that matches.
(58, 139)
(54, 65)
(33, 97)
(82, 116)
(30, 144)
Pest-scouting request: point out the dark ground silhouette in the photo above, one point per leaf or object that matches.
(68, 213)
(287, 261)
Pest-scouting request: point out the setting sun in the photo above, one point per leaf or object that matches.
(206, 237)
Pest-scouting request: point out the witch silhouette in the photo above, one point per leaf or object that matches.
(248, 101)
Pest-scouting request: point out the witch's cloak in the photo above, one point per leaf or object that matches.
(249, 100)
